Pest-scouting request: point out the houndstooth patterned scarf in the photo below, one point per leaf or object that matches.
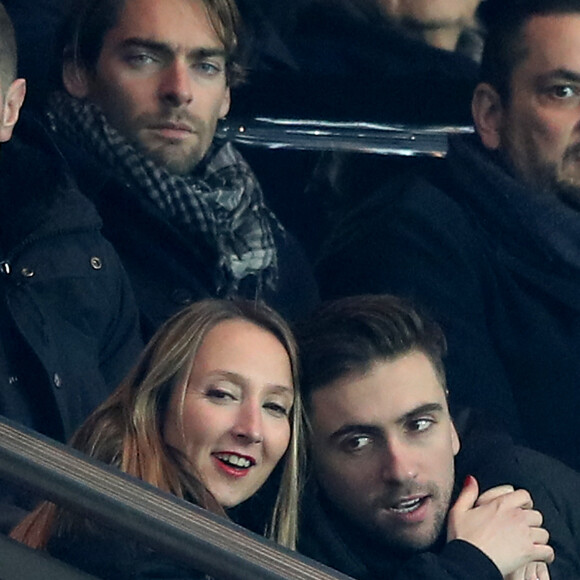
(221, 197)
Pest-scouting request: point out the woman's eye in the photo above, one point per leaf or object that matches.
(277, 409)
(219, 394)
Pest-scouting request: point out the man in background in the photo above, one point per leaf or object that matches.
(446, 24)
(146, 83)
(490, 243)
(69, 327)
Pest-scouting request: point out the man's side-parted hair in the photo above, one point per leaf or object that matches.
(90, 20)
(8, 59)
(350, 334)
(504, 47)
(127, 429)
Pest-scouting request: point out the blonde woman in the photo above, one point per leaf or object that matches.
(210, 413)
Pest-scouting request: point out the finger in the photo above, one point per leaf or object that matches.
(530, 571)
(543, 553)
(537, 571)
(519, 574)
(523, 496)
(493, 493)
(540, 536)
(542, 571)
(468, 495)
(519, 498)
(533, 518)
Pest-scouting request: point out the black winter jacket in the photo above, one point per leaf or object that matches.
(64, 291)
(498, 266)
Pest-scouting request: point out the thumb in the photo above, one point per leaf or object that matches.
(468, 495)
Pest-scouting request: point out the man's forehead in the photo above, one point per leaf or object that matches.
(387, 390)
(552, 39)
(178, 24)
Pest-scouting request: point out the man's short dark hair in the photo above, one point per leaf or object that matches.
(8, 60)
(504, 48)
(349, 335)
(90, 20)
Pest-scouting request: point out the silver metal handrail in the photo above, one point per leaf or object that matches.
(359, 137)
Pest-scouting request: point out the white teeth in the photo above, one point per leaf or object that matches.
(234, 460)
(407, 506)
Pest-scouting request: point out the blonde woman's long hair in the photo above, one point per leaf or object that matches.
(127, 429)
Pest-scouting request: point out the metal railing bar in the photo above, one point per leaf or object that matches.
(361, 137)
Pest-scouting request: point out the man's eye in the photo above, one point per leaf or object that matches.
(420, 425)
(357, 443)
(140, 60)
(208, 68)
(563, 91)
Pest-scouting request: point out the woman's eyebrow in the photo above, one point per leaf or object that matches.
(241, 380)
(283, 389)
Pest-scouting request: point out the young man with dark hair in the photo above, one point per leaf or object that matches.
(69, 326)
(146, 83)
(396, 491)
(490, 245)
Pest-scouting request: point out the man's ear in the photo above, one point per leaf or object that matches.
(74, 79)
(487, 111)
(13, 100)
(225, 107)
(455, 442)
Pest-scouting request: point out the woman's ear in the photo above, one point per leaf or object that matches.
(13, 100)
(487, 111)
(74, 78)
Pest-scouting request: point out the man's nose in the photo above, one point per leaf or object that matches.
(176, 86)
(400, 463)
(248, 425)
